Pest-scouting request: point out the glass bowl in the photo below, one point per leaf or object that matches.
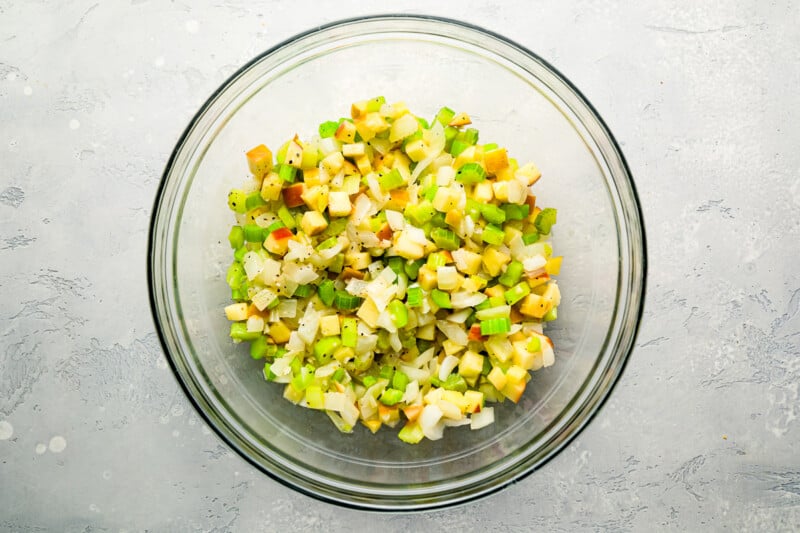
(515, 99)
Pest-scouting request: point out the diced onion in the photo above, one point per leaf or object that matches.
(448, 365)
(430, 420)
(454, 332)
(395, 219)
(482, 418)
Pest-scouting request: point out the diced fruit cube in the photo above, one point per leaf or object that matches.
(293, 195)
(363, 164)
(329, 325)
(405, 247)
(236, 312)
(471, 364)
(346, 132)
(530, 172)
(445, 199)
(416, 150)
(461, 119)
(493, 260)
(403, 127)
(474, 401)
(483, 192)
(495, 160)
(259, 159)
(279, 332)
(271, 187)
(353, 150)
(339, 204)
(278, 241)
(497, 378)
(294, 154)
(535, 306)
(313, 222)
(332, 163)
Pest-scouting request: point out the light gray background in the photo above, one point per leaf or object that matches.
(700, 433)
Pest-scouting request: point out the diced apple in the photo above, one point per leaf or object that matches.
(461, 119)
(363, 164)
(271, 187)
(385, 232)
(493, 260)
(475, 333)
(535, 306)
(346, 132)
(513, 391)
(259, 159)
(516, 192)
(277, 242)
(403, 127)
(451, 348)
(293, 195)
(500, 189)
(398, 199)
(445, 199)
(353, 150)
(375, 122)
(412, 412)
(313, 222)
(373, 424)
(368, 312)
(416, 150)
(294, 154)
(530, 172)
(236, 312)
(279, 332)
(483, 192)
(332, 163)
(357, 260)
(474, 401)
(339, 204)
(553, 266)
(405, 247)
(426, 277)
(358, 109)
(329, 325)
(495, 160)
(471, 364)
(311, 177)
(497, 378)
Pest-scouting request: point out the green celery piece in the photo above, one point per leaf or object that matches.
(398, 313)
(516, 211)
(400, 381)
(545, 220)
(411, 268)
(338, 375)
(455, 382)
(493, 214)
(441, 299)
(330, 242)
(239, 332)
(414, 296)
(337, 264)
(411, 433)
(280, 156)
(386, 372)
(303, 291)
(470, 173)
(324, 348)
(512, 275)
(517, 293)
(458, 146)
(345, 301)
(445, 115)
(328, 129)
(259, 347)
(326, 292)
(235, 275)
(493, 235)
(534, 345)
(495, 326)
(473, 209)
(286, 217)
(369, 381)
(349, 332)
(445, 239)
(396, 264)
(391, 397)
(335, 227)
(254, 200)
(253, 233)
(287, 173)
(238, 255)
(391, 180)
(551, 315)
(530, 238)
(489, 147)
(236, 237)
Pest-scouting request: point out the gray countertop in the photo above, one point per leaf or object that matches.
(701, 432)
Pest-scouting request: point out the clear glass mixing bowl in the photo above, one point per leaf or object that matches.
(515, 99)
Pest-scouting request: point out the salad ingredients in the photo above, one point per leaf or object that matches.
(393, 271)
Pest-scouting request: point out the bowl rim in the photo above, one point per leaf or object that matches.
(427, 504)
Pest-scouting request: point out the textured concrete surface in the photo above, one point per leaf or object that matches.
(702, 430)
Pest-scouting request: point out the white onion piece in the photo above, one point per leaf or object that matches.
(436, 146)
(464, 299)
(460, 317)
(395, 219)
(449, 422)
(429, 421)
(482, 418)
(448, 365)
(412, 390)
(255, 323)
(454, 332)
(254, 264)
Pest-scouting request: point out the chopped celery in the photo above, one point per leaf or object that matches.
(236, 237)
(473, 209)
(516, 211)
(349, 332)
(369, 381)
(239, 332)
(517, 293)
(545, 220)
(345, 301)
(495, 326)
(286, 217)
(471, 173)
(259, 347)
(391, 397)
(400, 381)
(458, 146)
(328, 129)
(386, 372)
(254, 200)
(396, 264)
(338, 375)
(253, 233)
(235, 275)
(287, 173)
(445, 239)
(493, 235)
(399, 313)
(326, 292)
(455, 382)
(551, 315)
(411, 268)
(374, 104)
(238, 255)
(445, 115)
(436, 259)
(391, 180)
(512, 275)
(303, 291)
(414, 296)
(493, 214)
(324, 348)
(441, 299)
(530, 238)
(330, 242)
(534, 345)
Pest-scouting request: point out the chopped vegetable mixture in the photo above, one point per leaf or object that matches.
(393, 271)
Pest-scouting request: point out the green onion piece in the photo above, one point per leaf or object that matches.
(414, 296)
(235, 275)
(254, 200)
(286, 217)
(545, 220)
(386, 372)
(445, 115)
(374, 104)
(412, 268)
(236, 237)
(369, 381)
(517, 293)
(328, 129)
(455, 382)
(239, 332)
(326, 292)
(512, 275)
(237, 201)
(327, 243)
(349, 332)
(495, 326)
(493, 214)
(338, 375)
(287, 173)
(445, 239)
(337, 264)
(534, 345)
(303, 291)
(493, 235)
(398, 313)
(391, 397)
(489, 147)
(253, 233)
(551, 315)
(458, 146)
(400, 381)
(324, 348)
(516, 211)
(391, 180)
(441, 299)
(259, 347)
(473, 209)
(470, 173)
(530, 238)
(238, 255)
(345, 301)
